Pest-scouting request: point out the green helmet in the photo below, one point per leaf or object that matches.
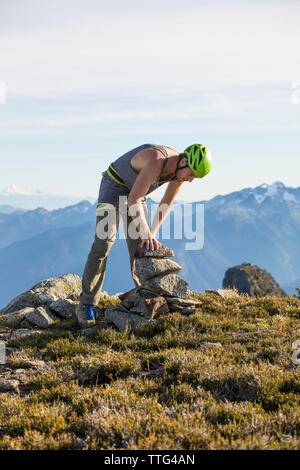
(199, 159)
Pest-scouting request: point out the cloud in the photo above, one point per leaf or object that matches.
(120, 47)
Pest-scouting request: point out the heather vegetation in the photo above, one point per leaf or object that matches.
(222, 378)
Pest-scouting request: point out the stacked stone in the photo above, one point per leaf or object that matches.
(161, 291)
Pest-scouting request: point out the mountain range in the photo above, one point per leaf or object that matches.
(257, 225)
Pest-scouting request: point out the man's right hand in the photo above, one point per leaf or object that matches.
(150, 242)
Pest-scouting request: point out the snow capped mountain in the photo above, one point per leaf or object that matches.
(276, 190)
(258, 196)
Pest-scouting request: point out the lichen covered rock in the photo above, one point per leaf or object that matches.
(146, 268)
(46, 292)
(124, 321)
(252, 280)
(162, 252)
(171, 284)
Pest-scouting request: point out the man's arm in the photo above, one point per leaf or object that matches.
(147, 175)
(165, 205)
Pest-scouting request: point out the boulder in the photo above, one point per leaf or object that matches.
(23, 332)
(146, 268)
(123, 308)
(41, 317)
(224, 293)
(252, 280)
(46, 292)
(127, 304)
(171, 284)
(130, 295)
(63, 307)
(43, 298)
(162, 252)
(16, 318)
(124, 321)
(18, 303)
(67, 286)
(140, 307)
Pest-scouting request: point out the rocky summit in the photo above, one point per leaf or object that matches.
(161, 291)
(252, 280)
(44, 305)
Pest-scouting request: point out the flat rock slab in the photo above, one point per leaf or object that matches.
(63, 307)
(41, 317)
(124, 321)
(224, 293)
(28, 316)
(162, 252)
(146, 268)
(171, 284)
(23, 332)
(43, 298)
(183, 302)
(129, 294)
(16, 318)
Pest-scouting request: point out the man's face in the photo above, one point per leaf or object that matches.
(184, 174)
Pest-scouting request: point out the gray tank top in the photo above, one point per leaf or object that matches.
(129, 175)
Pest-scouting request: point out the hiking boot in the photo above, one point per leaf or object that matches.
(86, 315)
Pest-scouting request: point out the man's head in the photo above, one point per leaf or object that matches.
(184, 173)
(194, 162)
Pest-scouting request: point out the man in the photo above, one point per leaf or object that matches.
(134, 175)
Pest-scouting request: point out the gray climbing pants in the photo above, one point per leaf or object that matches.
(94, 271)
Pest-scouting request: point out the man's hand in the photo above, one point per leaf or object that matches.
(151, 242)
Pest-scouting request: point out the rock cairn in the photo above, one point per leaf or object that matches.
(161, 291)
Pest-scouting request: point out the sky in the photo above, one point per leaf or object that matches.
(87, 80)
